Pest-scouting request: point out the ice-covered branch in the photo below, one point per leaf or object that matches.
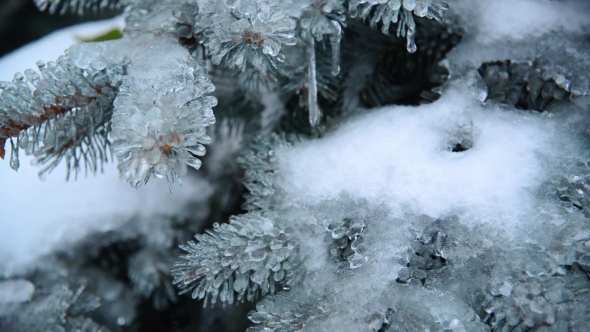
(161, 112)
(245, 33)
(400, 12)
(260, 165)
(241, 260)
(61, 113)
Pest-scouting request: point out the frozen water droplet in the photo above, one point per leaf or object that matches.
(403, 275)
(197, 150)
(279, 275)
(224, 293)
(231, 251)
(477, 87)
(258, 277)
(409, 5)
(506, 288)
(14, 162)
(421, 7)
(259, 317)
(258, 255)
(411, 44)
(194, 162)
(534, 288)
(375, 322)
(563, 184)
(18, 77)
(226, 261)
(23, 140)
(271, 47)
(240, 283)
(540, 305)
(339, 232)
(355, 261)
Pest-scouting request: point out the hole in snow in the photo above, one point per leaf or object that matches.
(461, 138)
(459, 148)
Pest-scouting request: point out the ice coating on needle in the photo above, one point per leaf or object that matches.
(161, 112)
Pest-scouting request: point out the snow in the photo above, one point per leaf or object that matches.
(41, 216)
(16, 291)
(493, 211)
(393, 170)
(519, 19)
(399, 156)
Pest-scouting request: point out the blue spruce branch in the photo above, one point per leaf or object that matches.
(62, 113)
(157, 125)
(398, 11)
(238, 261)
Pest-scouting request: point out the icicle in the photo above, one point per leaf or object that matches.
(230, 295)
(410, 34)
(23, 140)
(169, 180)
(312, 88)
(335, 44)
(14, 163)
(176, 177)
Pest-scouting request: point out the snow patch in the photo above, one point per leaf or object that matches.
(16, 291)
(41, 216)
(399, 156)
(519, 19)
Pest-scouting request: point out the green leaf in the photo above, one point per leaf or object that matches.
(110, 35)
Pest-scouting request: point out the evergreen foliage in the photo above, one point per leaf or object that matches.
(262, 83)
(260, 165)
(392, 11)
(59, 308)
(62, 113)
(265, 41)
(527, 85)
(238, 261)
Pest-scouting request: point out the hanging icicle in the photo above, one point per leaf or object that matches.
(335, 45)
(312, 88)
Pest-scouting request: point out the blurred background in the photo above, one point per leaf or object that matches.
(21, 23)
